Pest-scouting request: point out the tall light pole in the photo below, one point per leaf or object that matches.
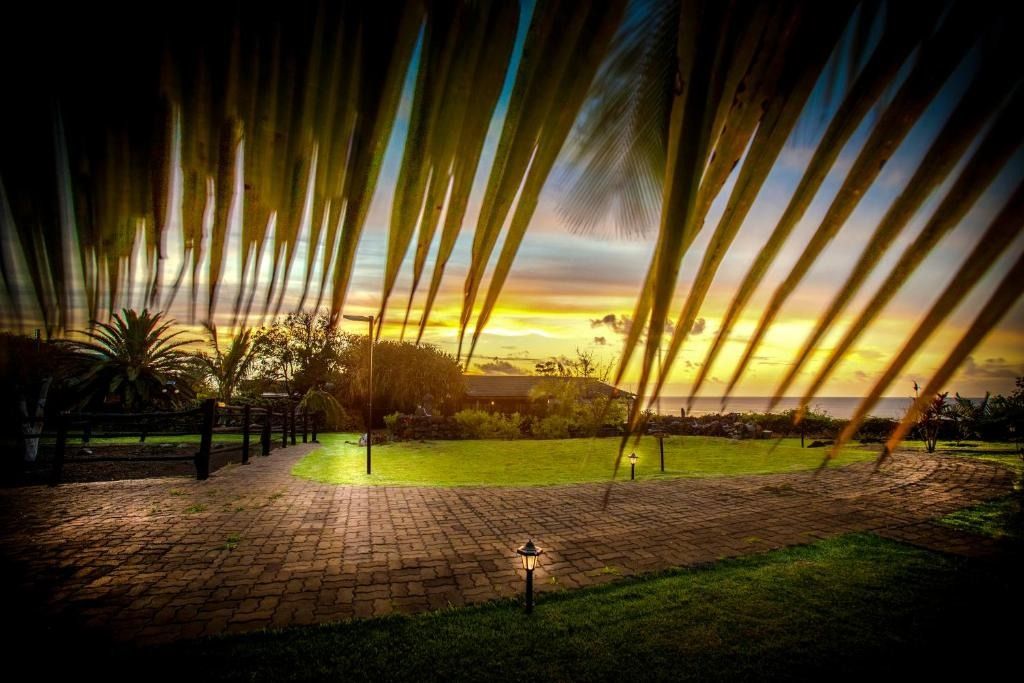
(369, 401)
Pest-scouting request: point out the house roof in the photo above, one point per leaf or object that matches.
(520, 386)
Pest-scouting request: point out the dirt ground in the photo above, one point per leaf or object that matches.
(134, 461)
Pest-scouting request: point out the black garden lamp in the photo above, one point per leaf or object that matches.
(632, 465)
(528, 554)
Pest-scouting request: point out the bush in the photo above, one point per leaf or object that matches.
(876, 429)
(390, 421)
(551, 427)
(480, 424)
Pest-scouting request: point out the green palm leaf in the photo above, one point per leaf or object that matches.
(999, 143)
(1005, 295)
(974, 109)
(1003, 229)
(940, 54)
(903, 27)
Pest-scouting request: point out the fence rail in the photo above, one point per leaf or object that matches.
(214, 420)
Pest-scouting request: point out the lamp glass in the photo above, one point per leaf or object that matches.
(633, 458)
(529, 554)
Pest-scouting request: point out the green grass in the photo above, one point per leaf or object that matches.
(839, 609)
(993, 451)
(1001, 518)
(530, 462)
(232, 542)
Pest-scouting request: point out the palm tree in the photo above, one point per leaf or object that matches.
(227, 369)
(136, 358)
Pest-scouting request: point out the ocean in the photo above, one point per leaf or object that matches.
(835, 406)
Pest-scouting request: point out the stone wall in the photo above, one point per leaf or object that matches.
(426, 428)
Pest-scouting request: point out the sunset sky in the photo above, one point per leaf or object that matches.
(564, 284)
(569, 291)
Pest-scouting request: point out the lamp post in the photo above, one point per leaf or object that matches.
(528, 554)
(632, 465)
(660, 436)
(369, 401)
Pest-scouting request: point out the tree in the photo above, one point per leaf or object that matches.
(929, 423)
(548, 368)
(404, 376)
(31, 372)
(1005, 418)
(321, 405)
(967, 415)
(572, 392)
(229, 368)
(133, 360)
(302, 351)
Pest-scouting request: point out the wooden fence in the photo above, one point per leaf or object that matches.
(264, 426)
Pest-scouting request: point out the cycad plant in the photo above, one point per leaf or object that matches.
(135, 358)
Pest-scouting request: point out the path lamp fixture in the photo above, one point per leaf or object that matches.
(632, 465)
(369, 400)
(528, 554)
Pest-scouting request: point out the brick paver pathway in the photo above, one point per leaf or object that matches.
(254, 547)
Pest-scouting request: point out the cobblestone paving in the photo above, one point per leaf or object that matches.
(254, 547)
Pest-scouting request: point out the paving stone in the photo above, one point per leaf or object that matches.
(313, 553)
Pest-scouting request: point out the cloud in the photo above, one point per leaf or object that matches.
(499, 367)
(611, 320)
(870, 354)
(622, 324)
(769, 360)
(600, 341)
(996, 368)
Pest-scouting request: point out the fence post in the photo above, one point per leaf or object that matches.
(246, 419)
(87, 432)
(291, 414)
(58, 456)
(305, 427)
(206, 441)
(314, 429)
(802, 434)
(265, 436)
(284, 428)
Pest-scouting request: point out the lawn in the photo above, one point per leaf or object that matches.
(530, 462)
(843, 608)
(1001, 519)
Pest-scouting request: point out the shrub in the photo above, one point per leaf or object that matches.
(480, 424)
(876, 429)
(391, 421)
(551, 427)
